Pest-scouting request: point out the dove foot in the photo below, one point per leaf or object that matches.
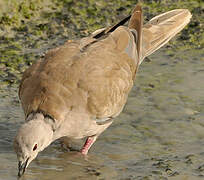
(66, 145)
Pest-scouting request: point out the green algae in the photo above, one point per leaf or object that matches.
(37, 25)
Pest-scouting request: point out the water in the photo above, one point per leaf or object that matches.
(159, 135)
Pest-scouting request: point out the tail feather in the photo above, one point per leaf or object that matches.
(160, 29)
(149, 37)
(136, 23)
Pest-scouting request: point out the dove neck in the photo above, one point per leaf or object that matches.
(40, 128)
(42, 120)
(44, 117)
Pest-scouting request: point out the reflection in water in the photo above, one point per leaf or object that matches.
(159, 135)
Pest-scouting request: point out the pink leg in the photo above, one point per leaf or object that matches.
(89, 142)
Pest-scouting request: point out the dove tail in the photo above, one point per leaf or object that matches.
(160, 29)
(136, 23)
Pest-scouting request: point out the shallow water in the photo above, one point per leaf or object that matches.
(159, 135)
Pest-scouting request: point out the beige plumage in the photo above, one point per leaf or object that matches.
(77, 89)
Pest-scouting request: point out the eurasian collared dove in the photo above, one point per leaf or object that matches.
(77, 89)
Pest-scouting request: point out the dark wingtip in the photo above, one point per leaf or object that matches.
(136, 10)
(111, 29)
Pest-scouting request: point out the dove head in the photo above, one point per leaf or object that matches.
(32, 137)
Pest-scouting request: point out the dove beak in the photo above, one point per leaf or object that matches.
(22, 167)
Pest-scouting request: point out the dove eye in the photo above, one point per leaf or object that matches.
(35, 147)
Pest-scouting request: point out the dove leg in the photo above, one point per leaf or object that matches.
(89, 142)
(91, 139)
